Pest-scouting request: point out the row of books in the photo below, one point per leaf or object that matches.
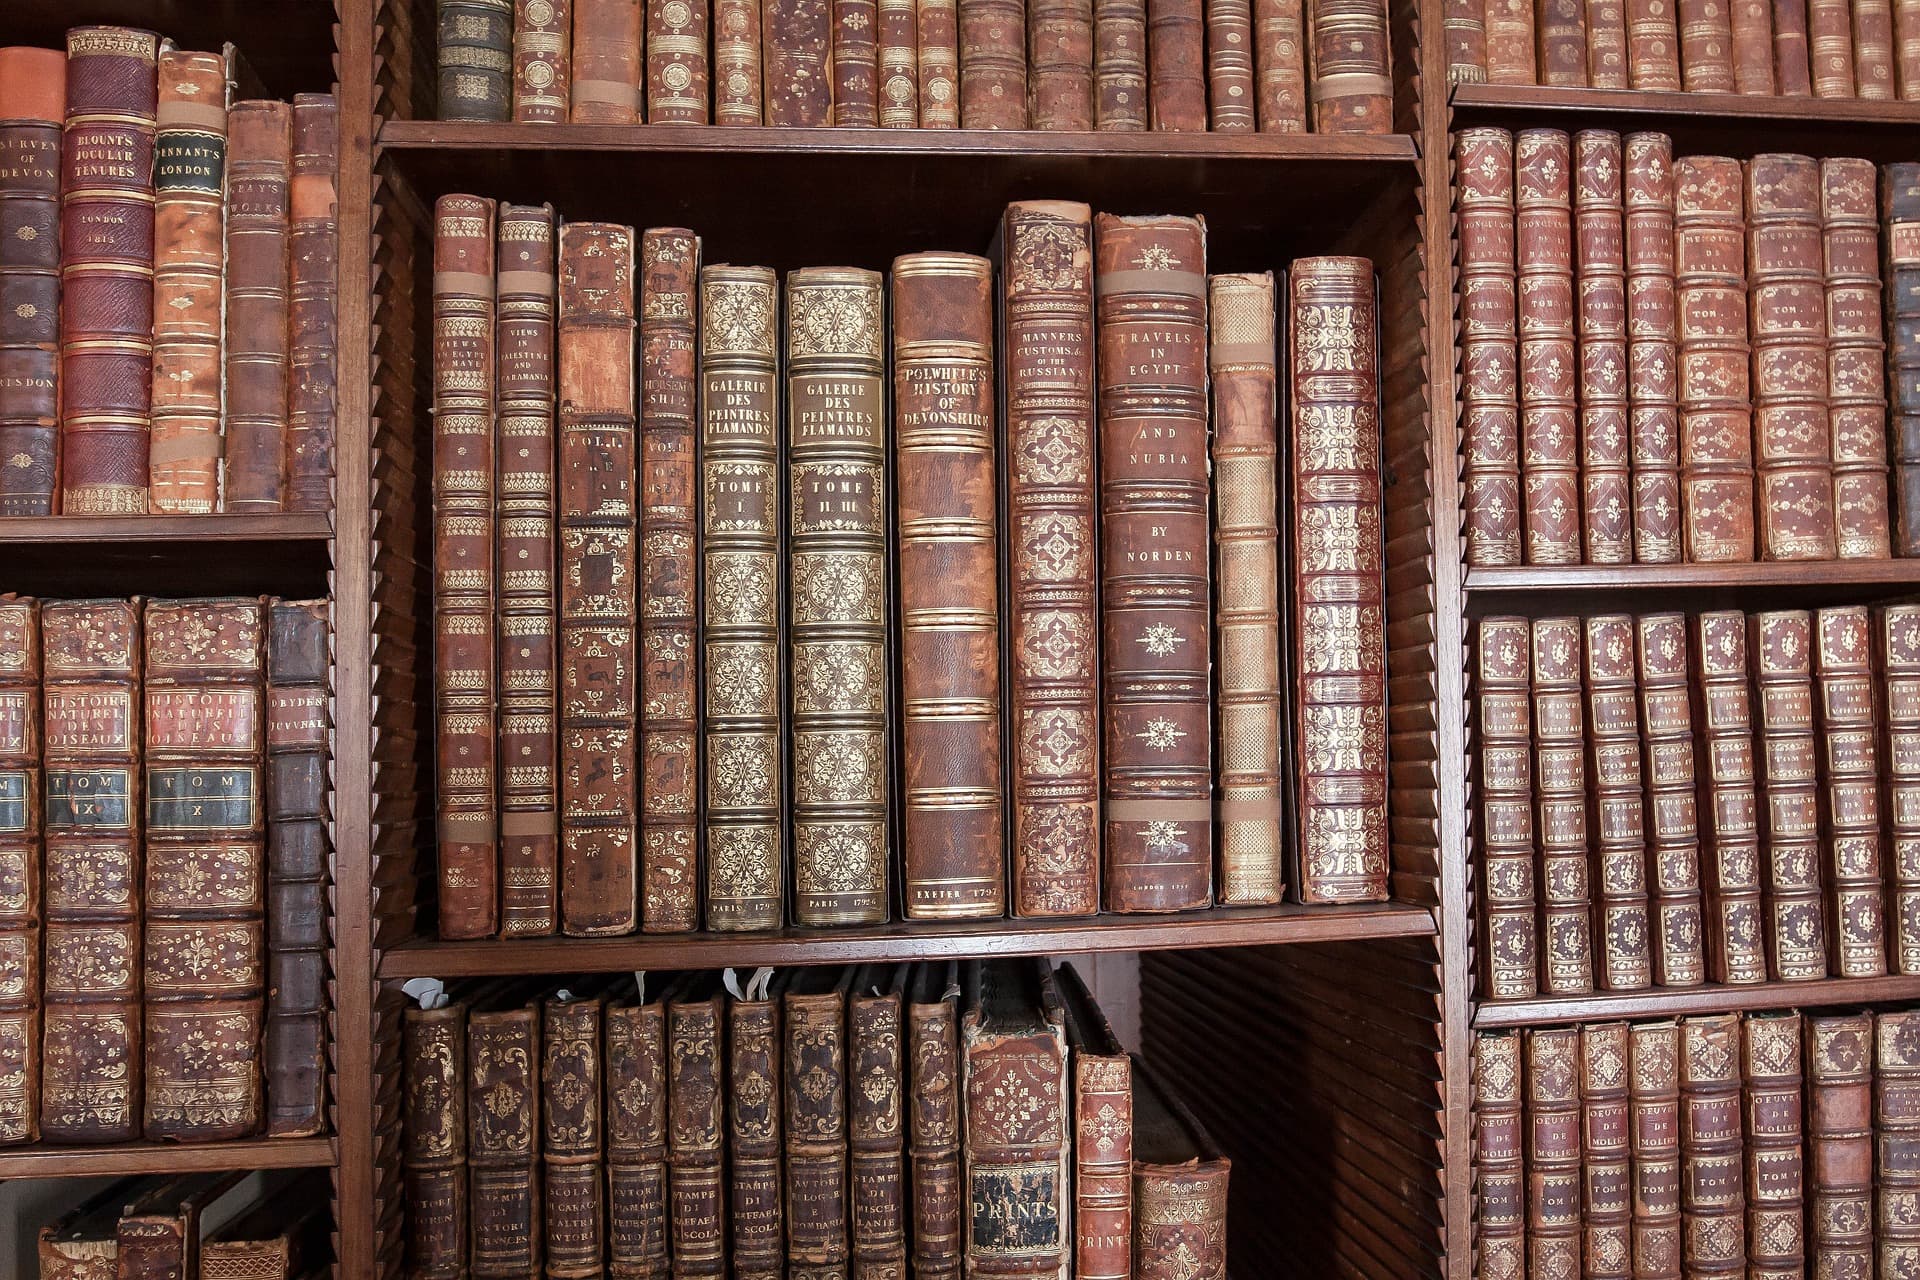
(1771, 1144)
(1669, 360)
(1785, 48)
(820, 663)
(169, 259)
(1722, 798)
(828, 1121)
(196, 1226)
(163, 869)
(1232, 66)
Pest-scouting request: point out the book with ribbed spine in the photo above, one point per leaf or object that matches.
(677, 66)
(1351, 61)
(1563, 43)
(1838, 1055)
(1613, 753)
(756, 1226)
(1553, 1151)
(636, 1137)
(933, 1118)
(1673, 854)
(433, 1058)
(1489, 353)
(1605, 1166)
(1856, 356)
(1653, 1092)
(259, 305)
(1727, 800)
(1103, 1220)
(1900, 210)
(1776, 1185)
(1780, 657)
(1561, 801)
(475, 58)
(1499, 1148)
(1850, 806)
(696, 1130)
(1549, 385)
(33, 103)
(1600, 292)
(814, 1018)
(572, 1132)
(1652, 347)
(542, 50)
(1716, 434)
(503, 1133)
(1508, 891)
(876, 1123)
(313, 405)
(606, 64)
(1897, 659)
(1712, 1195)
(20, 869)
(1060, 90)
(993, 64)
(1896, 1116)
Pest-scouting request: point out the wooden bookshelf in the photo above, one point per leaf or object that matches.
(1668, 1002)
(1765, 576)
(1636, 108)
(127, 1159)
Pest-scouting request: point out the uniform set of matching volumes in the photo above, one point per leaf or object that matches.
(163, 869)
(1683, 359)
(199, 1226)
(1232, 66)
(760, 569)
(168, 256)
(818, 1122)
(1770, 1145)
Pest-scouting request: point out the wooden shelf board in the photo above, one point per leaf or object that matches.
(1643, 577)
(1546, 102)
(313, 527)
(126, 1159)
(1690, 1000)
(1220, 927)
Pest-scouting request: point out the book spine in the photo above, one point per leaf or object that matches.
(1896, 1114)
(503, 1142)
(636, 1114)
(900, 64)
(570, 1146)
(1674, 850)
(1230, 66)
(1781, 649)
(1899, 667)
(1653, 1094)
(1464, 26)
(669, 565)
(1053, 663)
(1015, 1151)
(1839, 1122)
(1508, 892)
(1706, 46)
(1560, 796)
(1151, 286)
(1653, 46)
(1850, 808)
(754, 1220)
(740, 459)
(1182, 1223)
(1613, 749)
(877, 1170)
(313, 405)
(1489, 395)
(525, 622)
(542, 50)
(1873, 49)
(1352, 90)
(1906, 47)
(1605, 1169)
(933, 1115)
(475, 50)
(1653, 388)
(106, 270)
(599, 791)
(1792, 65)
(90, 1034)
(1752, 24)
(1856, 357)
(434, 1156)
(676, 48)
(189, 261)
(993, 64)
(1120, 65)
(259, 292)
(799, 83)
(33, 103)
(856, 62)
(954, 857)
(1499, 1146)
(20, 851)
(837, 469)
(1510, 57)
(1900, 203)
(1735, 931)
(1280, 61)
(606, 64)
(938, 24)
(152, 1246)
(696, 1129)
(1607, 44)
(1712, 1198)
(1716, 438)
(1060, 38)
(1102, 1166)
(1776, 1184)
(1563, 43)
(1606, 498)
(463, 597)
(816, 1136)
(1176, 65)
(1553, 1151)
(1549, 383)
(1830, 39)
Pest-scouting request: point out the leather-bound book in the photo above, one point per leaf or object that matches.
(669, 575)
(475, 51)
(1613, 749)
(1712, 1199)
(1548, 369)
(1017, 1144)
(83, 1243)
(736, 62)
(1465, 28)
(542, 48)
(1241, 363)
(1727, 802)
(1898, 666)
(204, 894)
(1102, 1135)
(20, 801)
(1176, 65)
(106, 270)
(281, 1237)
(503, 1133)
(1873, 49)
(1792, 441)
(900, 63)
(1052, 584)
(463, 566)
(1508, 893)
(1653, 348)
(741, 596)
(1900, 206)
(91, 826)
(636, 1140)
(1230, 66)
(1653, 1094)
(1850, 805)
(837, 474)
(189, 261)
(1752, 22)
(1792, 68)
(1606, 496)
(1896, 1115)
(696, 1129)
(993, 64)
(599, 790)
(814, 1009)
(1489, 353)
(1830, 40)
(259, 305)
(1510, 58)
(161, 1228)
(1180, 1185)
(572, 1133)
(938, 24)
(1060, 86)
(1856, 357)
(1607, 44)
(1706, 46)
(1780, 657)
(1561, 818)
(434, 1152)
(33, 104)
(1151, 285)
(1716, 434)
(313, 405)
(1605, 1169)
(1563, 43)
(1352, 89)
(525, 619)
(876, 1135)
(1280, 62)
(1119, 65)
(933, 1119)
(756, 1227)
(1499, 1153)
(1673, 853)
(607, 66)
(676, 49)
(1553, 1151)
(1839, 1133)
(954, 863)
(798, 37)
(1906, 48)
(1776, 1184)
(856, 62)
(1653, 45)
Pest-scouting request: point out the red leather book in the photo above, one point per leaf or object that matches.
(1103, 1218)
(1673, 856)
(1507, 891)
(1339, 635)
(1230, 66)
(1653, 1093)
(1280, 62)
(736, 60)
(572, 1125)
(1752, 22)
(900, 63)
(1896, 1115)
(1060, 43)
(1712, 1197)
(677, 73)
(993, 64)
(1716, 435)
(259, 293)
(1563, 43)
(1653, 45)
(814, 1009)
(1613, 749)
(696, 1103)
(474, 53)
(1464, 25)
(163, 1224)
(1176, 65)
(856, 63)
(1499, 1147)
(1489, 388)
(1607, 44)
(606, 63)
(1780, 654)
(939, 27)
(1850, 808)
(1839, 1132)
(933, 1112)
(1873, 49)
(1606, 497)
(542, 50)
(1899, 667)
(503, 1133)
(1560, 799)
(1605, 1169)
(1706, 46)
(876, 1108)
(1352, 87)
(1653, 348)
(1727, 800)
(1549, 386)
(33, 104)
(1900, 199)
(1906, 48)
(1120, 65)
(1776, 1182)
(433, 1058)
(1553, 1151)
(756, 1227)
(1830, 40)
(106, 270)
(1180, 1183)
(313, 408)
(1792, 66)
(1510, 57)
(1151, 282)
(20, 853)
(636, 1145)
(1856, 357)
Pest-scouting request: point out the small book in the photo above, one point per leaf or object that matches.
(162, 1229)
(1838, 1054)
(1103, 1218)
(876, 1122)
(1776, 1190)
(434, 1151)
(1896, 1114)
(1605, 1168)
(475, 52)
(572, 1119)
(696, 1128)
(20, 869)
(1673, 858)
(1850, 809)
(1180, 1183)
(814, 1005)
(933, 1116)
(1653, 1091)
(1499, 1147)
(282, 1236)
(503, 1131)
(636, 1146)
(1712, 1195)
(756, 1225)
(1780, 651)
(1553, 1151)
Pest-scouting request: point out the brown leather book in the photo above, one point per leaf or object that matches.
(798, 38)
(1607, 44)
(1839, 1155)
(1605, 1169)
(106, 270)
(1716, 435)
(1489, 354)
(542, 50)
(1830, 40)
(1465, 28)
(475, 53)
(1600, 287)
(756, 1226)
(1850, 804)
(933, 1117)
(203, 904)
(434, 1153)
(464, 402)
(1673, 854)
(1896, 1114)
(1046, 250)
(1562, 34)
(900, 63)
(1499, 1145)
(837, 472)
(736, 62)
(856, 61)
(259, 297)
(1653, 45)
(1873, 49)
(1906, 47)
(1553, 1151)
(1060, 44)
(1792, 440)
(1712, 1198)
(1017, 1133)
(572, 1133)
(1242, 370)
(1792, 69)
(82, 1243)
(1706, 46)
(503, 1133)
(1900, 202)
(90, 1034)
(954, 863)
(1507, 892)
(993, 64)
(1561, 818)
(599, 791)
(696, 1127)
(636, 1144)
(1613, 753)
(670, 570)
(1103, 1221)
(742, 597)
(676, 48)
(1510, 57)
(283, 1236)
(1180, 1185)
(1726, 800)
(1151, 286)
(33, 104)
(20, 853)
(1752, 22)
(1653, 385)
(1856, 357)
(876, 1139)
(1653, 1094)
(1352, 86)
(1176, 65)
(814, 1005)
(1120, 65)
(607, 65)
(525, 619)
(313, 407)
(1898, 665)
(1548, 371)
(1280, 62)
(189, 261)
(1776, 1190)
(1780, 656)
(938, 23)
(163, 1225)
(1230, 66)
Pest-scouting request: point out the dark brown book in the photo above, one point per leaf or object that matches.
(1489, 353)
(258, 305)
(1120, 65)
(1465, 27)
(1561, 813)
(1600, 290)
(1780, 657)
(1103, 1220)
(814, 1009)
(1605, 1166)
(1856, 357)
(1896, 1122)
(1898, 665)
(1850, 822)
(1562, 33)
(696, 1129)
(1873, 49)
(1499, 1148)
(798, 38)
(1180, 1186)
(542, 50)
(876, 1119)
(1830, 41)
(1900, 207)
(1727, 802)
(1607, 44)
(1653, 45)
(20, 862)
(1510, 58)
(1507, 891)
(736, 61)
(636, 1138)
(1776, 1183)
(1653, 348)
(283, 1236)
(1752, 24)
(676, 52)
(312, 366)
(856, 63)
(1613, 759)
(1839, 1133)
(503, 1133)
(1060, 85)
(434, 1154)
(163, 1226)
(1792, 68)
(938, 25)
(993, 64)
(1548, 369)
(900, 64)
(1352, 87)
(756, 1226)
(299, 730)
(572, 1133)
(1176, 65)
(1553, 1151)
(607, 63)
(1653, 1093)
(1712, 1196)
(1906, 48)
(1706, 46)
(33, 105)
(933, 1118)
(475, 56)
(1673, 852)
(1716, 434)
